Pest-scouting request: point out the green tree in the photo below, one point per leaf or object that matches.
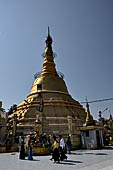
(12, 109)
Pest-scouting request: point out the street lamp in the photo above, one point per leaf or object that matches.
(100, 112)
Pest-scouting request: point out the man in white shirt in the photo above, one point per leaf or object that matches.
(62, 144)
(62, 148)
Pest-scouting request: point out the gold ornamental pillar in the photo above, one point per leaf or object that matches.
(69, 118)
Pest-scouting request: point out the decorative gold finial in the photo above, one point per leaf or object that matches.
(49, 65)
(89, 118)
(49, 40)
(48, 31)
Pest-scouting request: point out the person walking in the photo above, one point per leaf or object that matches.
(62, 148)
(61, 141)
(55, 147)
(22, 149)
(68, 143)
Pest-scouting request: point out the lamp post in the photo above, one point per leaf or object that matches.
(100, 116)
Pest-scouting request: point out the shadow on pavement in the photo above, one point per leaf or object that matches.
(73, 161)
(70, 162)
(101, 154)
(72, 153)
(96, 153)
(64, 163)
(30, 160)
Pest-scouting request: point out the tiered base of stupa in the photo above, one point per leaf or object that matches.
(61, 115)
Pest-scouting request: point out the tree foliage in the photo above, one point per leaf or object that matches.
(12, 109)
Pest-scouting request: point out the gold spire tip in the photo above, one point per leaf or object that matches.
(48, 31)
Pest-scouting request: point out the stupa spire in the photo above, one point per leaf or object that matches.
(111, 118)
(89, 118)
(49, 65)
(48, 41)
(48, 31)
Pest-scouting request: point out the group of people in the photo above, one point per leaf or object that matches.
(59, 149)
(22, 149)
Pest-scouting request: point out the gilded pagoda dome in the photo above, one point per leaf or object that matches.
(50, 83)
(49, 78)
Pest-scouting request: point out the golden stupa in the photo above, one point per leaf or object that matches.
(50, 102)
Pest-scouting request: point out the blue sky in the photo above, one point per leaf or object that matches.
(82, 31)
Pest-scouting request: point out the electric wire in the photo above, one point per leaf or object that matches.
(101, 100)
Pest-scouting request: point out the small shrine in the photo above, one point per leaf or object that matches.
(91, 134)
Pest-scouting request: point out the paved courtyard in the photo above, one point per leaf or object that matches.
(78, 160)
